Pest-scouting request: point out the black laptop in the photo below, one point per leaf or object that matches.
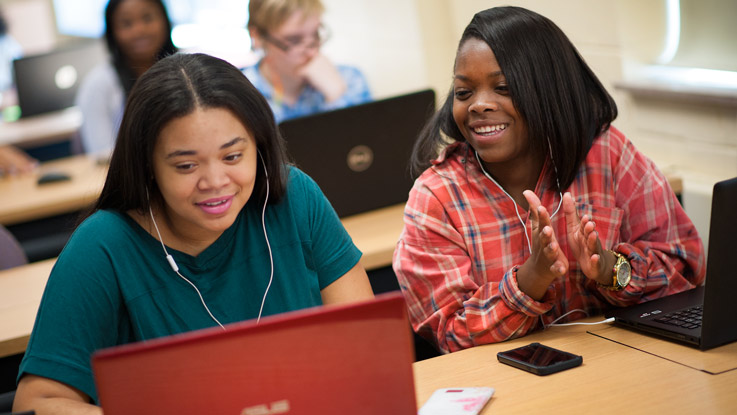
(49, 82)
(359, 155)
(705, 316)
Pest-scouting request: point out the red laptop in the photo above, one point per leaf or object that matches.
(348, 359)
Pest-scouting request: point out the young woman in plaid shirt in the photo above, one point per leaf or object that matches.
(529, 202)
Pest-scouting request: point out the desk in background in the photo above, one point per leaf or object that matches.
(21, 289)
(41, 129)
(24, 200)
(43, 217)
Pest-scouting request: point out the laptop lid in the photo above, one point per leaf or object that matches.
(359, 155)
(49, 82)
(347, 359)
(719, 325)
(718, 311)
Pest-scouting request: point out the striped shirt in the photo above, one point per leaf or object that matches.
(463, 240)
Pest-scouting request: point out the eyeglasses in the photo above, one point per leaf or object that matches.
(298, 44)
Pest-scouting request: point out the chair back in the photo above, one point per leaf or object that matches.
(11, 253)
(6, 404)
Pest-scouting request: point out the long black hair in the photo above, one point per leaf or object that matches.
(174, 87)
(125, 73)
(550, 84)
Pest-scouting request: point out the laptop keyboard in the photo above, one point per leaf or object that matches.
(689, 318)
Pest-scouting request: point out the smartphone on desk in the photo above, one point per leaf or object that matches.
(539, 359)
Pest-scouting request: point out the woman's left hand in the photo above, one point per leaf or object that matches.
(585, 245)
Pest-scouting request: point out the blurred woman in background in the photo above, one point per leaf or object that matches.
(137, 33)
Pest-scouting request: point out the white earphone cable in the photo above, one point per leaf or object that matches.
(553, 323)
(516, 209)
(268, 245)
(175, 267)
(607, 320)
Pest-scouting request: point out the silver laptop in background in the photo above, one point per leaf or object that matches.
(676, 317)
(49, 82)
(359, 155)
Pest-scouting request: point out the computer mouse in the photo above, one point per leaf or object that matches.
(53, 177)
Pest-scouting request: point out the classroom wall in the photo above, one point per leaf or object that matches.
(386, 39)
(39, 35)
(693, 135)
(408, 44)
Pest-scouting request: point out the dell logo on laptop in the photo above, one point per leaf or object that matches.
(276, 407)
(360, 158)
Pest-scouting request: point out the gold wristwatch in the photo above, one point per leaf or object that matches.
(621, 273)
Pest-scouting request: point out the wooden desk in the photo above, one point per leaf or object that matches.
(23, 200)
(375, 233)
(613, 379)
(21, 289)
(41, 129)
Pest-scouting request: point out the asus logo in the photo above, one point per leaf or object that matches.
(276, 407)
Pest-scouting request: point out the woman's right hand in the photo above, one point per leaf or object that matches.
(583, 240)
(324, 76)
(546, 262)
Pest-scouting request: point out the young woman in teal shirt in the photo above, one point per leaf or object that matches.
(201, 222)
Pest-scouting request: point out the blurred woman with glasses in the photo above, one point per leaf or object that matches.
(293, 75)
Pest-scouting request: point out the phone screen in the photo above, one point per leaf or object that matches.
(539, 359)
(539, 355)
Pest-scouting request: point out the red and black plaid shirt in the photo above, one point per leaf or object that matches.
(462, 240)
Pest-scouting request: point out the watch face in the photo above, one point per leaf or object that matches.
(623, 274)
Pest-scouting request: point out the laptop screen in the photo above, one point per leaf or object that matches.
(359, 155)
(344, 359)
(49, 82)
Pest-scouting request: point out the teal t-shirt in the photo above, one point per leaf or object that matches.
(112, 284)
